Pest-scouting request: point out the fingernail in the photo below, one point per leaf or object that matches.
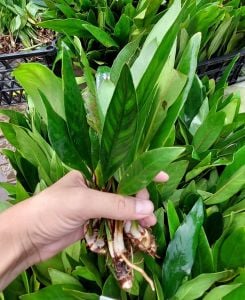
(144, 207)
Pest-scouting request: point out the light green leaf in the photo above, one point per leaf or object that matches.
(58, 277)
(46, 82)
(195, 288)
(221, 291)
(142, 171)
(230, 188)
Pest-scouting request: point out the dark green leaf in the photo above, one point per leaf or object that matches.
(142, 171)
(235, 244)
(52, 292)
(176, 171)
(237, 294)
(204, 258)
(75, 112)
(173, 219)
(15, 117)
(181, 251)
(70, 27)
(120, 125)
(61, 141)
(111, 288)
(159, 231)
(77, 295)
(100, 35)
(89, 264)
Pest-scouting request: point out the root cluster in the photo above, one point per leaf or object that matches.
(119, 240)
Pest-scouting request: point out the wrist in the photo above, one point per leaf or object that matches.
(16, 250)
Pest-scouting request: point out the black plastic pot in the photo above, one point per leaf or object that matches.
(215, 67)
(10, 91)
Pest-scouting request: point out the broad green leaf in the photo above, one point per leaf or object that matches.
(235, 244)
(230, 188)
(77, 295)
(28, 148)
(157, 34)
(61, 140)
(221, 291)
(236, 294)
(193, 101)
(181, 250)
(209, 131)
(187, 66)
(74, 111)
(204, 257)
(83, 272)
(46, 82)
(176, 171)
(239, 207)
(195, 288)
(89, 264)
(111, 288)
(142, 171)
(15, 117)
(120, 125)
(159, 231)
(58, 277)
(100, 35)
(173, 219)
(122, 28)
(229, 171)
(171, 83)
(70, 27)
(149, 294)
(52, 292)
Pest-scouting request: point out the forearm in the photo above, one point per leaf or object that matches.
(15, 252)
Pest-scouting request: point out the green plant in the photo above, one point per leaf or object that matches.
(103, 26)
(222, 24)
(175, 130)
(18, 19)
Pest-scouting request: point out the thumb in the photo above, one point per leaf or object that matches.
(98, 204)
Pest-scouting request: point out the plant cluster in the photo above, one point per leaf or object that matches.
(104, 27)
(148, 112)
(17, 24)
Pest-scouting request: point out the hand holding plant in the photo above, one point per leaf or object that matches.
(57, 216)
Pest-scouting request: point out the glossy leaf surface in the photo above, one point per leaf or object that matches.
(181, 250)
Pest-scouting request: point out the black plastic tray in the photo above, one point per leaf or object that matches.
(215, 67)
(10, 91)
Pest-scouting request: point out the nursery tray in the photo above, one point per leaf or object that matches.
(214, 68)
(10, 91)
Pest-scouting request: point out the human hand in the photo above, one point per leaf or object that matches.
(53, 219)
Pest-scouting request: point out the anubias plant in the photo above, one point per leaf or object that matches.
(131, 122)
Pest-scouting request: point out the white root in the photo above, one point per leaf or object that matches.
(138, 269)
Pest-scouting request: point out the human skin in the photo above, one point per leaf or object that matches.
(40, 227)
